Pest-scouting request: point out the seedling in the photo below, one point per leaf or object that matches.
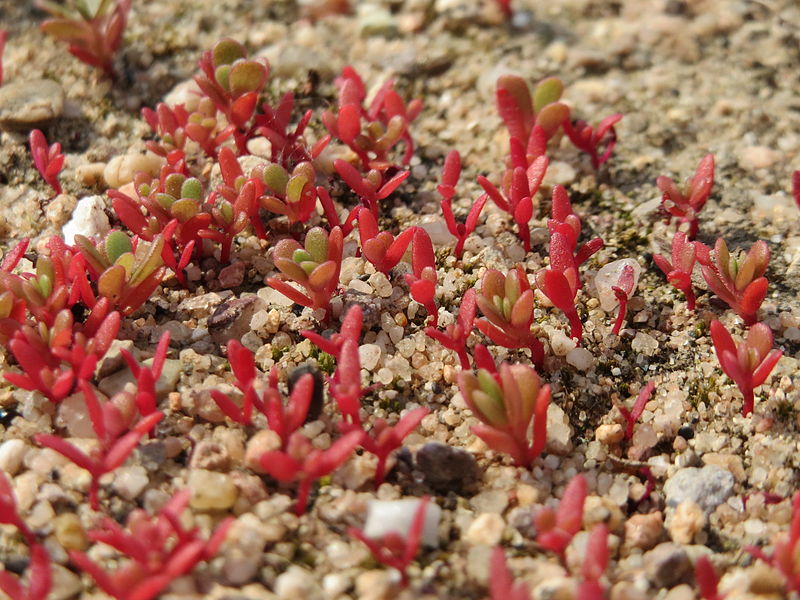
(737, 279)
(40, 577)
(92, 28)
(594, 565)
(3, 38)
(8, 510)
(393, 549)
(686, 204)
(707, 580)
(447, 189)
(159, 550)
(48, 159)
(288, 147)
(303, 463)
(146, 377)
(632, 415)
(455, 336)
(598, 142)
(115, 445)
(315, 266)
(349, 330)
(512, 408)
(381, 248)
(748, 362)
(521, 112)
(795, 185)
(679, 271)
(501, 581)
(423, 278)
(507, 303)
(372, 187)
(785, 550)
(555, 529)
(623, 291)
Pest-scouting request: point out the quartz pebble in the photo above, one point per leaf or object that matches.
(211, 491)
(486, 529)
(384, 516)
(88, 219)
(12, 452)
(297, 583)
(122, 169)
(28, 104)
(644, 531)
(685, 522)
(580, 358)
(644, 343)
(369, 355)
(608, 277)
(130, 481)
(707, 487)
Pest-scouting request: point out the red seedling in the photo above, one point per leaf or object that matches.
(282, 418)
(303, 463)
(590, 140)
(512, 408)
(422, 280)
(288, 148)
(381, 248)
(159, 550)
(345, 386)
(383, 439)
(686, 204)
(594, 564)
(679, 271)
(521, 112)
(507, 303)
(147, 376)
(115, 445)
(706, 578)
(40, 577)
(315, 266)
(8, 510)
(748, 362)
(632, 415)
(520, 184)
(371, 188)
(567, 223)
(623, 291)
(738, 280)
(48, 159)
(555, 529)
(447, 189)
(94, 36)
(501, 581)
(455, 336)
(290, 194)
(795, 186)
(349, 330)
(393, 549)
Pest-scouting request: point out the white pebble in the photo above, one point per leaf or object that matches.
(580, 358)
(608, 276)
(384, 516)
(89, 219)
(11, 454)
(369, 355)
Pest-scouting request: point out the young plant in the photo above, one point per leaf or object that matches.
(349, 330)
(706, 578)
(116, 440)
(455, 336)
(521, 112)
(737, 279)
(679, 271)
(303, 463)
(748, 362)
(393, 549)
(590, 140)
(594, 565)
(3, 38)
(372, 187)
(315, 266)
(387, 119)
(345, 386)
(686, 204)
(512, 408)
(555, 529)
(233, 82)
(632, 415)
(381, 248)
(282, 418)
(422, 280)
(795, 185)
(93, 29)
(623, 291)
(127, 272)
(48, 159)
(501, 581)
(147, 376)
(8, 510)
(507, 303)
(159, 550)
(785, 550)
(289, 194)
(288, 148)
(447, 189)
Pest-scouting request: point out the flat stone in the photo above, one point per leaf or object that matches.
(25, 105)
(445, 468)
(384, 516)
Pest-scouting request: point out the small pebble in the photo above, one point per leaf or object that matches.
(486, 529)
(211, 491)
(25, 105)
(384, 516)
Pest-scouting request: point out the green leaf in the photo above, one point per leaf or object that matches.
(192, 188)
(165, 200)
(222, 74)
(294, 190)
(184, 209)
(148, 259)
(226, 51)
(246, 76)
(547, 91)
(66, 30)
(173, 184)
(111, 281)
(275, 178)
(97, 261)
(300, 256)
(117, 244)
(552, 116)
(317, 244)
